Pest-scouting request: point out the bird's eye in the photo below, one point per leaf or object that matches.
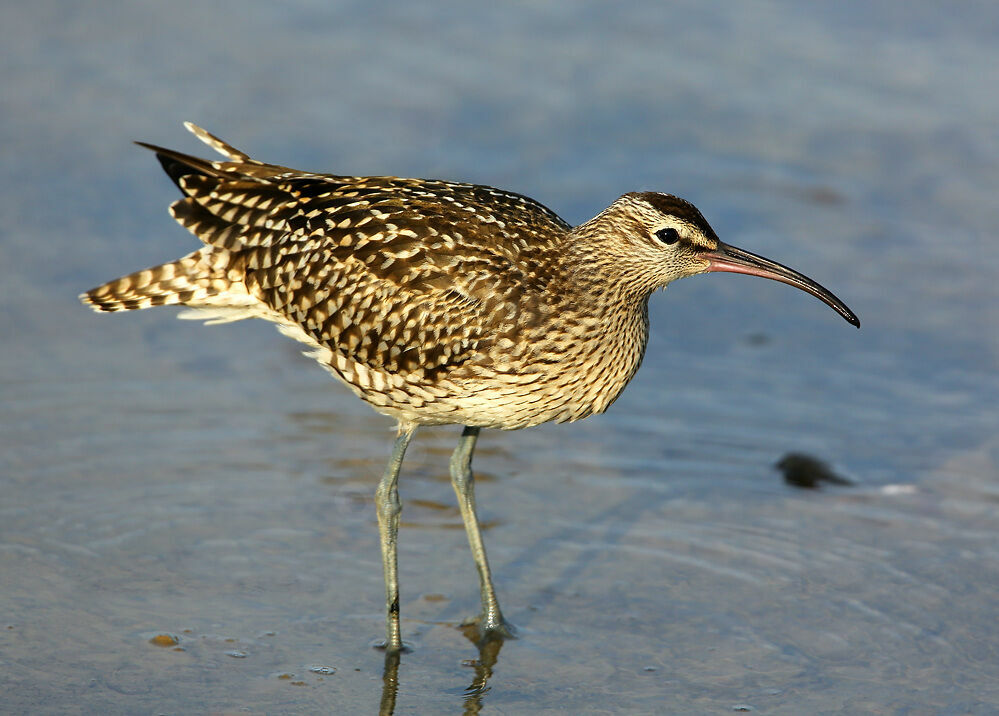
(668, 236)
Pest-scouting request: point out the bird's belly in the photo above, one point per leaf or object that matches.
(514, 394)
(520, 395)
(520, 400)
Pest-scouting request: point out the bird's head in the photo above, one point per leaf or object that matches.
(658, 238)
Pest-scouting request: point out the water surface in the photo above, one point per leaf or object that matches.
(186, 521)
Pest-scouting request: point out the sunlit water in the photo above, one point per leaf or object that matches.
(186, 520)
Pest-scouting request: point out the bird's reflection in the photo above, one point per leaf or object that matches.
(489, 649)
(390, 684)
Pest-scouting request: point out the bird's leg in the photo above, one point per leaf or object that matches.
(491, 621)
(389, 507)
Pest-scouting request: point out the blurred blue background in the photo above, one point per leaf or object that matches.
(157, 477)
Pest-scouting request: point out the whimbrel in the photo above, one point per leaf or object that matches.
(436, 302)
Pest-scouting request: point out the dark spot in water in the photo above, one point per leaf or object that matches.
(808, 472)
(824, 195)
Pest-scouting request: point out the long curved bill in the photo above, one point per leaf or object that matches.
(734, 260)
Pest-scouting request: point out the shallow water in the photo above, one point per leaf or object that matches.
(211, 490)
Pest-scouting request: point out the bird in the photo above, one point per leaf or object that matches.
(436, 302)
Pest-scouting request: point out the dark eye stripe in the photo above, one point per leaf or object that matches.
(668, 235)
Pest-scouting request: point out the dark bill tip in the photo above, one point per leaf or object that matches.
(734, 260)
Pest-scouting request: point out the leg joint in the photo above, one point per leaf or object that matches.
(387, 502)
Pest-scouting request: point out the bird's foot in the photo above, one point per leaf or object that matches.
(481, 630)
(384, 645)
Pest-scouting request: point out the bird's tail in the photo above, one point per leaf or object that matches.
(192, 280)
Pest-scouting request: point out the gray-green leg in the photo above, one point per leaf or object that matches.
(389, 507)
(491, 620)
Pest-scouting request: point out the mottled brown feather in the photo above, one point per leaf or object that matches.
(434, 301)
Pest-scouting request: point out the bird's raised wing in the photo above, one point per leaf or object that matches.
(399, 275)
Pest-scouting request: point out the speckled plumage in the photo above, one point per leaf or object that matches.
(436, 302)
